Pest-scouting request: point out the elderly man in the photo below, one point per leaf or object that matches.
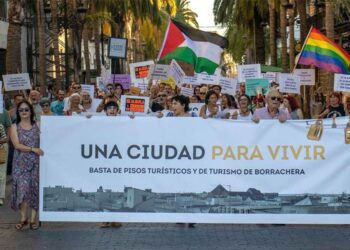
(34, 99)
(273, 110)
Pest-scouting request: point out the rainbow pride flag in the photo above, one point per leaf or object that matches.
(323, 53)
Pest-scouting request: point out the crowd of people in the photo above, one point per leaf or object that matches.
(20, 133)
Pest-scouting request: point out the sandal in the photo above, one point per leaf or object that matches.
(34, 226)
(21, 225)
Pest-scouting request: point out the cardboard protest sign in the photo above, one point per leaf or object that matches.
(249, 71)
(257, 86)
(176, 72)
(16, 82)
(289, 83)
(307, 76)
(186, 91)
(123, 79)
(134, 105)
(88, 88)
(270, 76)
(139, 71)
(208, 79)
(341, 82)
(228, 85)
(159, 72)
(193, 80)
(105, 74)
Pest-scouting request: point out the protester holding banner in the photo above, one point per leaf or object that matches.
(75, 88)
(335, 107)
(110, 96)
(3, 163)
(180, 107)
(195, 99)
(86, 102)
(291, 104)
(228, 106)
(45, 106)
(25, 136)
(74, 105)
(244, 112)
(111, 108)
(159, 103)
(273, 110)
(211, 109)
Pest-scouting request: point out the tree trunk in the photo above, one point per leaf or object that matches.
(259, 39)
(13, 52)
(54, 33)
(304, 29)
(330, 34)
(291, 37)
(42, 51)
(86, 54)
(272, 24)
(283, 24)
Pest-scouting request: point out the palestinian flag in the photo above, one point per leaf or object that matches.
(198, 48)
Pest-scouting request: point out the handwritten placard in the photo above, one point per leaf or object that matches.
(342, 82)
(193, 80)
(249, 71)
(16, 82)
(88, 88)
(307, 76)
(176, 72)
(257, 86)
(270, 76)
(228, 85)
(207, 79)
(159, 72)
(186, 91)
(289, 83)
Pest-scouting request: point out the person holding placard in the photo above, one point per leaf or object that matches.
(25, 135)
(273, 110)
(211, 109)
(244, 112)
(335, 107)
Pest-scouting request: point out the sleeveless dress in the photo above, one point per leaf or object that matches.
(25, 185)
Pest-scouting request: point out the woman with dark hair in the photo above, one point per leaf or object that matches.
(196, 90)
(335, 107)
(228, 106)
(244, 112)
(25, 186)
(111, 108)
(290, 103)
(119, 91)
(180, 107)
(211, 108)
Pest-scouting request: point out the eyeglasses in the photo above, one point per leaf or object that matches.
(23, 110)
(161, 95)
(76, 88)
(274, 98)
(201, 93)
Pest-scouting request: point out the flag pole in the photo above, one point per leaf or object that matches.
(307, 37)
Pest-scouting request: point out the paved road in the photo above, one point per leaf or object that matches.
(169, 236)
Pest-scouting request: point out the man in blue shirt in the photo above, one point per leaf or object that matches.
(58, 105)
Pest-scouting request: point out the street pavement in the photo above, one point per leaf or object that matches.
(136, 236)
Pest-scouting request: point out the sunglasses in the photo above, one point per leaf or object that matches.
(161, 95)
(274, 98)
(23, 110)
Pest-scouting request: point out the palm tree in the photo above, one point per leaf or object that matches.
(283, 25)
(291, 14)
(301, 7)
(42, 50)
(185, 14)
(13, 53)
(272, 31)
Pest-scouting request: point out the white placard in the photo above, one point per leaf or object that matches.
(307, 76)
(159, 72)
(341, 82)
(176, 72)
(208, 79)
(228, 85)
(193, 80)
(289, 83)
(117, 47)
(88, 88)
(137, 105)
(249, 71)
(139, 71)
(105, 74)
(16, 82)
(186, 91)
(196, 107)
(271, 76)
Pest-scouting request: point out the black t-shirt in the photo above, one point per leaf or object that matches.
(339, 111)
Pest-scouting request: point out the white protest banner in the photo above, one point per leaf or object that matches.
(176, 72)
(16, 82)
(341, 82)
(289, 83)
(208, 79)
(159, 170)
(228, 85)
(193, 80)
(196, 107)
(249, 71)
(186, 91)
(307, 76)
(88, 88)
(159, 72)
(137, 105)
(139, 71)
(105, 74)
(270, 76)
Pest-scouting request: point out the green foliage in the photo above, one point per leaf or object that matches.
(185, 14)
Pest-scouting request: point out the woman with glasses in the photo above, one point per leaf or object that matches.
(25, 186)
(45, 106)
(244, 112)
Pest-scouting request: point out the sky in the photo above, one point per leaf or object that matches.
(204, 10)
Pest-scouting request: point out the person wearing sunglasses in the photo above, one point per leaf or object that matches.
(25, 135)
(159, 103)
(202, 92)
(273, 110)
